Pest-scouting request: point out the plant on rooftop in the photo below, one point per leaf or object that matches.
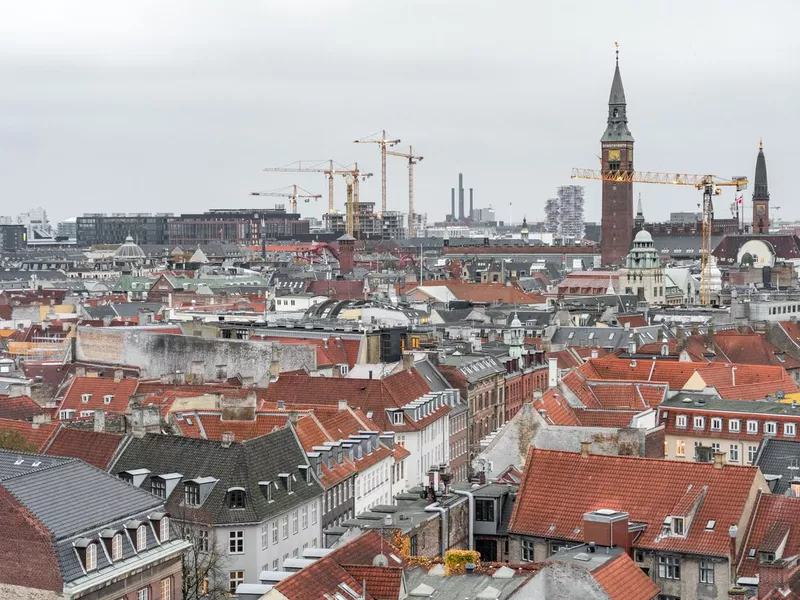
(455, 561)
(10, 439)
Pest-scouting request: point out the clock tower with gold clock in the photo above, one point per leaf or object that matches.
(616, 225)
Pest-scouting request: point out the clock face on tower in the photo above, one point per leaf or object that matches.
(613, 155)
(760, 210)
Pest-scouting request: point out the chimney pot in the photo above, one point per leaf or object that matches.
(586, 448)
(719, 460)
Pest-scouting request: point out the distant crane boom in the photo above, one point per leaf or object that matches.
(412, 160)
(709, 184)
(383, 142)
(290, 192)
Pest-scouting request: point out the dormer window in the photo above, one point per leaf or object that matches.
(116, 547)
(158, 487)
(677, 526)
(163, 529)
(236, 498)
(191, 494)
(85, 398)
(397, 418)
(108, 398)
(287, 481)
(141, 538)
(91, 557)
(266, 489)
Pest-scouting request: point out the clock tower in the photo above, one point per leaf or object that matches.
(761, 194)
(616, 225)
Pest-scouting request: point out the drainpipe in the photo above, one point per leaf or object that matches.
(471, 515)
(445, 536)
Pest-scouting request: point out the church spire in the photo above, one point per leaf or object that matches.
(760, 188)
(617, 129)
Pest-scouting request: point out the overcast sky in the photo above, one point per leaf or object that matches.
(179, 105)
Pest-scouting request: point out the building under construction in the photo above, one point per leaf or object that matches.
(564, 214)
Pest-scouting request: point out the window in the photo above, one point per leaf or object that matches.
(413, 545)
(305, 517)
(556, 547)
(706, 571)
(397, 418)
(789, 429)
(677, 525)
(236, 499)
(294, 522)
(484, 510)
(751, 454)
(274, 532)
(680, 421)
(191, 494)
(143, 594)
(715, 446)
(275, 565)
(527, 551)
(236, 542)
(163, 529)
(669, 567)
(314, 513)
(158, 487)
(166, 589)
(752, 427)
(204, 586)
(116, 546)
(770, 428)
(716, 424)
(295, 553)
(91, 557)
(264, 537)
(734, 425)
(202, 540)
(285, 527)
(680, 448)
(699, 422)
(734, 452)
(141, 538)
(236, 578)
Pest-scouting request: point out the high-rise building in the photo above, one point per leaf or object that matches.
(617, 155)
(100, 228)
(564, 214)
(761, 194)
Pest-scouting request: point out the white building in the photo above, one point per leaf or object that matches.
(643, 274)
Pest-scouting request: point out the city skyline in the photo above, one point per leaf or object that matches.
(144, 109)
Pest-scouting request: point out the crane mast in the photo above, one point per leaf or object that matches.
(412, 160)
(383, 142)
(710, 186)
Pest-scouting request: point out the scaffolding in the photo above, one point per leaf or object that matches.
(551, 210)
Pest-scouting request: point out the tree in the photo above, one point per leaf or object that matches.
(204, 575)
(11, 439)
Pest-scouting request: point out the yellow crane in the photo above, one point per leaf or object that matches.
(290, 192)
(383, 142)
(709, 184)
(330, 168)
(412, 160)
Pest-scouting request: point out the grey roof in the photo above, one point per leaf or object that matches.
(240, 465)
(602, 337)
(710, 402)
(131, 309)
(682, 246)
(101, 311)
(431, 374)
(779, 457)
(475, 366)
(760, 188)
(458, 587)
(455, 315)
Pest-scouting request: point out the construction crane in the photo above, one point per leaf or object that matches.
(383, 143)
(352, 179)
(412, 160)
(290, 192)
(709, 184)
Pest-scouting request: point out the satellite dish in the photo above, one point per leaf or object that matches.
(380, 561)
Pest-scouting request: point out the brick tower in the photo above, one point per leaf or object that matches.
(761, 194)
(616, 223)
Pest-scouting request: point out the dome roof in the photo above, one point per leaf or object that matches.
(643, 236)
(515, 322)
(129, 250)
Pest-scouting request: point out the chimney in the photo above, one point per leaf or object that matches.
(453, 215)
(408, 361)
(594, 353)
(552, 372)
(680, 335)
(586, 448)
(719, 460)
(99, 421)
(227, 439)
(293, 417)
(710, 337)
(471, 207)
(42, 419)
(342, 405)
(460, 197)
(80, 371)
(145, 419)
(118, 375)
(695, 328)
(274, 369)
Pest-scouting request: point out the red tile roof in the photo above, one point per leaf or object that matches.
(332, 351)
(769, 510)
(210, 425)
(648, 489)
(482, 292)
(98, 388)
(19, 408)
(37, 435)
(95, 448)
(637, 320)
(622, 579)
(382, 583)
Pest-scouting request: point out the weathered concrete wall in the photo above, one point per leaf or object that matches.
(22, 593)
(159, 354)
(563, 581)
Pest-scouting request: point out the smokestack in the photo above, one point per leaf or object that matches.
(452, 204)
(471, 207)
(460, 197)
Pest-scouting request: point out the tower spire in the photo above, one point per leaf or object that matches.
(616, 45)
(761, 194)
(617, 126)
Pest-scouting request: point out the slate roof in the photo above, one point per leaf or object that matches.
(648, 489)
(779, 457)
(240, 465)
(604, 337)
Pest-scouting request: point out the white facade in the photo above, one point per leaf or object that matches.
(297, 302)
(264, 546)
(643, 274)
(374, 485)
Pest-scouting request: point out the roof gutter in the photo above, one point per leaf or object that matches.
(471, 515)
(444, 538)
